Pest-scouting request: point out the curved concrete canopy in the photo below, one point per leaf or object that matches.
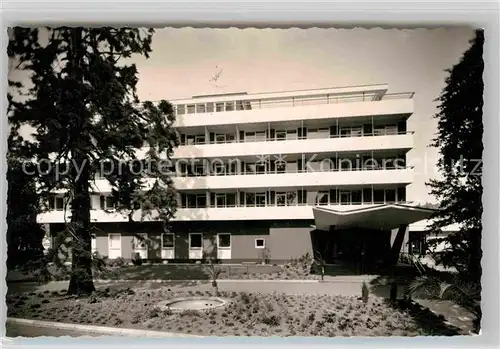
(383, 217)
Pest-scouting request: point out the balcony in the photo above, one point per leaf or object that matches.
(205, 214)
(327, 177)
(339, 143)
(323, 110)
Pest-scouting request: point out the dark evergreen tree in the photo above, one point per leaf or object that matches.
(24, 235)
(459, 139)
(82, 102)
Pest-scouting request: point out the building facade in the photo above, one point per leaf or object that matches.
(250, 168)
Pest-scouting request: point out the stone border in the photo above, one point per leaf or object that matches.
(164, 305)
(98, 329)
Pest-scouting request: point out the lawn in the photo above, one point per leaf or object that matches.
(245, 315)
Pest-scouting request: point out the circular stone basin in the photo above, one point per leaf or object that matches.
(193, 303)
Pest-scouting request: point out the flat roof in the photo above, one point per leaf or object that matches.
(384, 216)
(381, 88)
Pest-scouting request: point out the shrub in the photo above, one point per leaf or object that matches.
(137, 260)
(365, 292)
(273, 320)
(329, 317)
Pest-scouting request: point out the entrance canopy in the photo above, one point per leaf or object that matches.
(383, 217)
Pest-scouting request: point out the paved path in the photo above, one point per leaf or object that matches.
(333, 286)
(24, 330)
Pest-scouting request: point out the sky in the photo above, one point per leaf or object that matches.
(185, 60)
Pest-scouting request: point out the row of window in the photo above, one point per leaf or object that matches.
(270, 198)
(168, 241)
(210, 107)
(292, 134)
(280, 165)
(293, 198)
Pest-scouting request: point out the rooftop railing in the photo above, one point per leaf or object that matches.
(285, 102)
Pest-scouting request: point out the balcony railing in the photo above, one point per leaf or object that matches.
(267, 139)
(352, 203)
(256, 103)
(288, 171)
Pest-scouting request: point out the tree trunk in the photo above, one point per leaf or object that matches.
(81, 281)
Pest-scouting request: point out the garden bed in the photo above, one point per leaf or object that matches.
(245, 315)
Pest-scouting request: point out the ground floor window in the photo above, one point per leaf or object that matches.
(416, 244)
(195, 240)
(224, 240)
(260, 243)
(167, 240)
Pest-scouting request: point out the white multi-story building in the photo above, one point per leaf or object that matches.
(276, 175)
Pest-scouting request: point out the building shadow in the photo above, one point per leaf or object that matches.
(431, 323)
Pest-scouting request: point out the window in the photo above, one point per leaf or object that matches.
(315, 133)
(323, 198)
(291, 135)
(200, 108)
(181, 109)
(281, 199)
(224, 240)
(280, 167)
(219, 169)
(220, 200)
(107, 203)
(199, 170)
(220, 138)
(260, 136)
(260, 243)
(191, 200)
(356, 131)
(239, 105)
(280, 135)
(390, 195)
(195, 240)
(250, 199)
(249, 136)
(260, 199)
(345, 197)
(199, 139)
(210, 107)
(201, 200)
(260, 168)
(229, 106)
(56, 203)
(379, 131)
(167, 240)
(219, 106)
(190, 140)
(391, 129)
(378, 196)
(140, 241)
(231, 199)
(191, 109)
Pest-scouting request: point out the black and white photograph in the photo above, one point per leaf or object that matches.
(251, 182)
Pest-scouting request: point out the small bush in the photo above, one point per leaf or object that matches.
(273, 320)
(365, 292)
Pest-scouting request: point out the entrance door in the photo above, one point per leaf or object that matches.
(195, 246)
(167, 246)
(224, 246)
(114, 246)
(141, 245)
